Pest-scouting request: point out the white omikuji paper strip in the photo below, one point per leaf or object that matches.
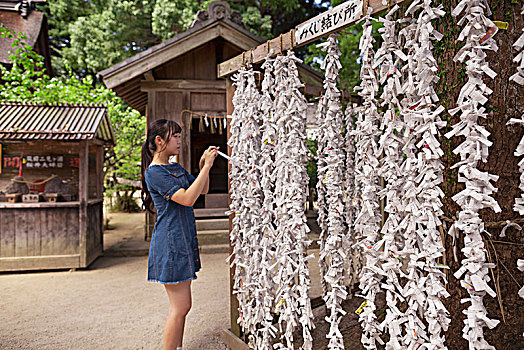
(353, 264)
(478, 190)
(266, 284)
(424, 279)
(388, 59)
(367, 222)
(520, 266)
(246, 199)
(293, 304)
(334, 245)
(519, 79)
(321, 192)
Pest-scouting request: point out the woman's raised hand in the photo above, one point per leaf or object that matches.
(209, 156)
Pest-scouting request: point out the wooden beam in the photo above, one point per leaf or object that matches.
(149, 75)
(83, 173)
(100, 171)
(241, 40)
(287, 41)
(233, 301)
(168, 85)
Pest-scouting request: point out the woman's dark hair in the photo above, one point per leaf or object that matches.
(165, 129)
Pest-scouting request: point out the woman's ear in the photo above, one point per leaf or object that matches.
(158, 141)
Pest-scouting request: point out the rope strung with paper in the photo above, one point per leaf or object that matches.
(322, 171)
(335, 243)
(215, 123)
(266, 285)
(245, 198)
(353, 263)
(424, 280)
(519, 79)
(478, 190)
(293, 281)
(388, 58)
(367, 222)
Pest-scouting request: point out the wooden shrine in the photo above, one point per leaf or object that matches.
(59, 152)
(177, 80)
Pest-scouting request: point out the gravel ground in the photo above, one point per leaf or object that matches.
(108, 306)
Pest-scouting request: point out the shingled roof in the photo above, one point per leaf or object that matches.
(217, 21)
(20, 16)
(20, 121)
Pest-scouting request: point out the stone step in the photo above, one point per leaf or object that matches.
(212, 224)
(211, 212)
(208, 237)
(214, 248)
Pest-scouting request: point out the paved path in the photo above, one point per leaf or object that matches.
(110, 305)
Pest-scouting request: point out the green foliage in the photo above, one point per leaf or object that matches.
(172, 17)
(89, 36)
(312, 145)
(258, 24)
(26, 81)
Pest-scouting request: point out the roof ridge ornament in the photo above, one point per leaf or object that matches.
(217, 11)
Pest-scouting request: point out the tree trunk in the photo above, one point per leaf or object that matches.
(507, 101)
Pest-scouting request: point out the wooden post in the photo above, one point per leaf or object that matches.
(83, 172)
(185, 123)
(100, 172)
(233, 301)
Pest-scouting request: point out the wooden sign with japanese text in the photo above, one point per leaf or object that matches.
(329, 21)
(41, 162)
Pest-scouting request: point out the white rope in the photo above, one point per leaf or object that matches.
(367, 222)
(518, 78)
(388, 57)
(246, 198)
(478, 190)
(425, 281)
(266, 285)
(292, 300)
(332, 159)
(353, 264)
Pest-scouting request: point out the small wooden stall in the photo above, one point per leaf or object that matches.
(59, 152)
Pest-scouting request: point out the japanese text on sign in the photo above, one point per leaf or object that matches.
(40, 162)
(328, 21)
(44, 162)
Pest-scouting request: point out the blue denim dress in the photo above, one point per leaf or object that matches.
(173, 253)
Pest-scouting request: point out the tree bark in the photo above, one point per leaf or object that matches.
(507, 101)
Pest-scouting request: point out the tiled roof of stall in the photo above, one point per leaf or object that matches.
(22, 121)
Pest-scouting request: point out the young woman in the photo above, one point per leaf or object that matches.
(173, 253)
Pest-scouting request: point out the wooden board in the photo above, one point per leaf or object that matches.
(202, 101)
(183, 84)
(328, 22)
(38, 231)
(83, 196)
(287, 41)
(39, 262)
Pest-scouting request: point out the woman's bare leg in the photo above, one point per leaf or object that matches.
(180, 303)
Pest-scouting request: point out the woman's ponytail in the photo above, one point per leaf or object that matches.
(147, 158)
(165, 129)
